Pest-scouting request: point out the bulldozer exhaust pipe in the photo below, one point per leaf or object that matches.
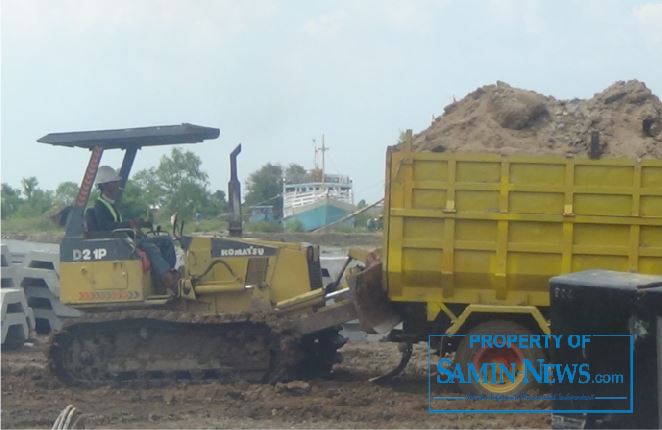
(234, 195)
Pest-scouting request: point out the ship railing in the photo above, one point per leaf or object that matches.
(298, 199)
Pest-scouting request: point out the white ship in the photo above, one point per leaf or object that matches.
(318, 200)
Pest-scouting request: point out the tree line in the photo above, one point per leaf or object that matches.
(177, 184)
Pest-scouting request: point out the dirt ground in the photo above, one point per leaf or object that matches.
(32, 398)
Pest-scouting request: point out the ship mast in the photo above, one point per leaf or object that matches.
(322, 149)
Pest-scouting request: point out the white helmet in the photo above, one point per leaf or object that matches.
(107, 174)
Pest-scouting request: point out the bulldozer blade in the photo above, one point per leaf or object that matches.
(373, 309)
(406, 349)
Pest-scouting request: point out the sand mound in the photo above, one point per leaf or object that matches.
(504, 119)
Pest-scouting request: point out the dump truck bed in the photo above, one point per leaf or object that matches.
(491, 229)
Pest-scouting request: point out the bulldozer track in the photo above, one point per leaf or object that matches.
(153, 347)
(161, 346)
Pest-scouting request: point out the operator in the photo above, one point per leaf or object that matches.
(159, 249)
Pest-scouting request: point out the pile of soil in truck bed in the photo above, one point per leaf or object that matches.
(505, 120)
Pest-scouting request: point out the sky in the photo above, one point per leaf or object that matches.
(274, 75)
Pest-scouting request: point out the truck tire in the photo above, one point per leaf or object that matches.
(465, 355)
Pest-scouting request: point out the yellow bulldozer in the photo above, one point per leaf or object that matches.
(243, 309)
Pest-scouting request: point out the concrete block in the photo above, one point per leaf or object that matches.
(37, 277)
(40, 297)
(7, 269)
(36, 270)
(5, 256)
(46, 321)
(9, 277)
(18, 258)
(39, 259)
(46, 308)
(17, 318)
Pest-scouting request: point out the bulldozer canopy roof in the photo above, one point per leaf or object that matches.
(133, 137)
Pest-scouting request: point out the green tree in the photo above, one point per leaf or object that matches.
(295, 174)
(11, 200)
(133, 203)
(29, 186)
(145, 187)
(65, 194)
(265, 186)
(218, 203)
(36, 201)
(361, 220)
(40, 202)
(178, 184)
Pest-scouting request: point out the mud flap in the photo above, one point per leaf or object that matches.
(373, 309)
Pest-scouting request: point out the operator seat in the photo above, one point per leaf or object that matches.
(91, 224)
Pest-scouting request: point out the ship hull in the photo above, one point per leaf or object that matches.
(319, 213)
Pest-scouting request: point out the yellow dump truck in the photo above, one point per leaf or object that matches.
(471, 240)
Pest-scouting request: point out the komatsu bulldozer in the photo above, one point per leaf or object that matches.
(244, 309)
